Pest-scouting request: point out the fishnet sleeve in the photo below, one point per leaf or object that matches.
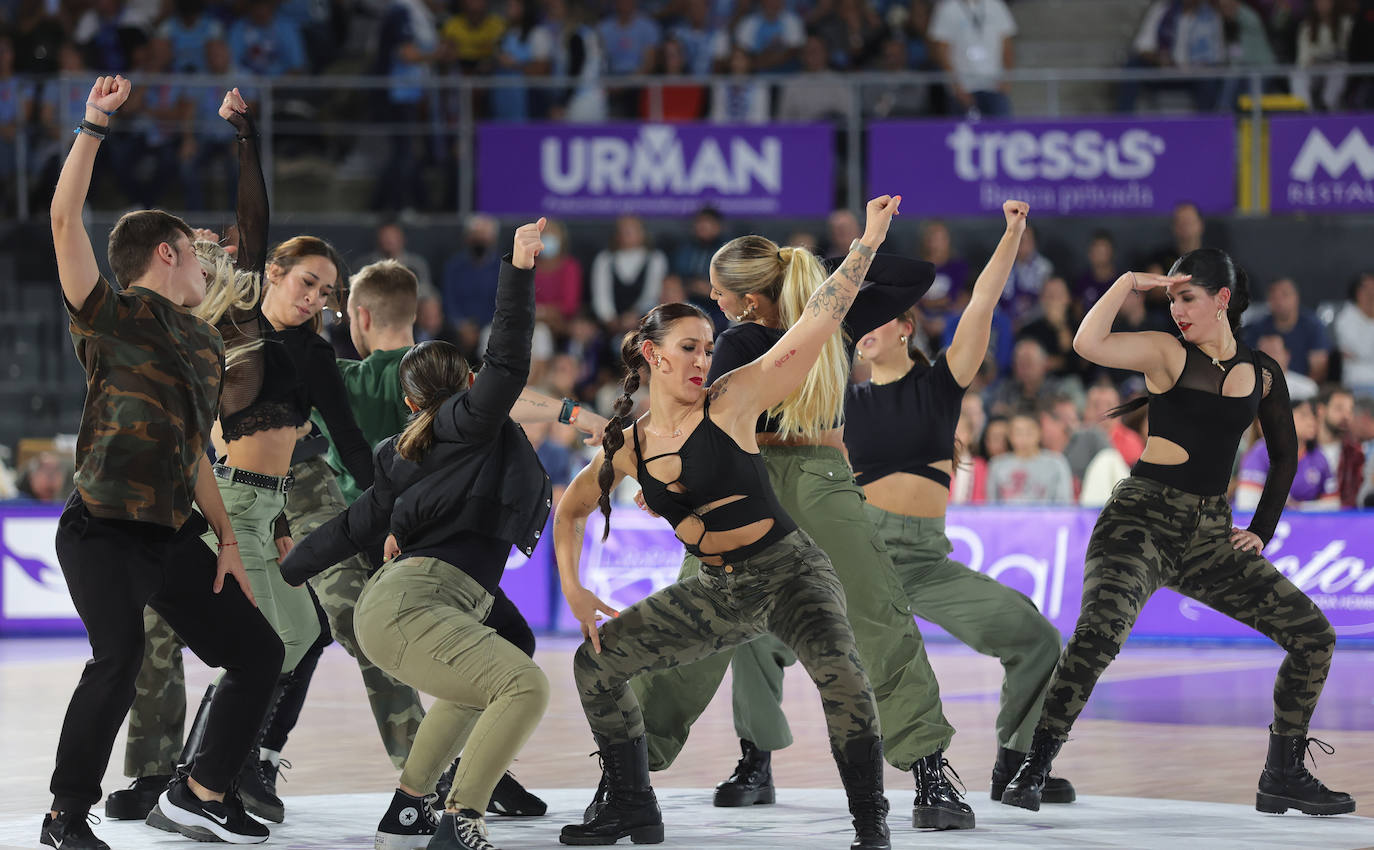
(244, 330)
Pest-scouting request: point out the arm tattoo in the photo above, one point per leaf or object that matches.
(718, 388)
(838, 291)
(783, 359)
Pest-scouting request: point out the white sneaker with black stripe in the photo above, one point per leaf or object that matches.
(211, 820)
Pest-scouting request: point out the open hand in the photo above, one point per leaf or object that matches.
(1142, 281)
(1246, 541)
(231, 564)
(284, 547)
(587, 608)
(528, 244)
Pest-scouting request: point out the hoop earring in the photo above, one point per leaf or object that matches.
(1221, 313)
(903, 339)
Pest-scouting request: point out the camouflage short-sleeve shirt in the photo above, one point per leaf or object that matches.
(153, 374)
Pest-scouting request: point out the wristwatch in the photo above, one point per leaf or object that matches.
(567, 415)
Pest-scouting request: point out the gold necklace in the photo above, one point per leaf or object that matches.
(1217, 361)
(677, 432)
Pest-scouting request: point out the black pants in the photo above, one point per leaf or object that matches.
(113, 569)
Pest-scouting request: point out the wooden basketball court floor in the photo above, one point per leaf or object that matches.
(1167, 754)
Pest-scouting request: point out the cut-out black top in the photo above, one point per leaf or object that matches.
(1207, 424)
(724, 486)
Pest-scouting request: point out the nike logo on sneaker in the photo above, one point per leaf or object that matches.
(219, 819)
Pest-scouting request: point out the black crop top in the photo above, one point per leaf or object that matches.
(281, 375)
(893, 284)
(724, 487)
(1197, 416)
(905, 426)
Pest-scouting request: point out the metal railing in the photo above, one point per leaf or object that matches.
(452, 103)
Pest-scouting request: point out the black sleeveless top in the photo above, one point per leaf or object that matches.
(723, 486)
(905, 426)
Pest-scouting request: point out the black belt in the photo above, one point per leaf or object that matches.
(277, 484)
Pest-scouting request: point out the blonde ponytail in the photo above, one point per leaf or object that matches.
(818, 404)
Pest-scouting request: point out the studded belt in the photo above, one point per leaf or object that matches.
(277, 484)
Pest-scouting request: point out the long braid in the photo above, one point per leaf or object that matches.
(614, 439)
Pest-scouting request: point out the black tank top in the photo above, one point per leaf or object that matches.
(1208, 425)
(905, 426)
(722, 485)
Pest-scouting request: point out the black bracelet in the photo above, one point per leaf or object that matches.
(92, 129)
(565, 413)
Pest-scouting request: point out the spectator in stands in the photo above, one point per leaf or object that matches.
(1354, 329)
(1247, 44)
(1300, 387)
(968, 484)
(189, 30)
(841, 229)
(895, 100)
(705, 44)
(1029, 383)
(1323, 39)
(1360, 90)
(1362, 429)
(772, 36)
(523, 51)
(409, 51)
(1186, 34)
(913, 28)
(554, 454)
(1303, 333)
(473, 36)
(818, 92)
(1098, 432)
(675, 102)
(1102, 270)
(1028, 276)
(16, 106)
(152, 152)
(63, 102)
(1029, 474)
(1314, 486)
(1058, 423)
(951, 272)
(577, 54)
(1335, 409)
(739, 99)
(852, 33)
(44, 479)
(1052, 323)
(265, 43)
(692, 257)
(430, 321)
(630, 40)
(391, 245)
(208, 145)
(557, 280)
(626, 278)
(108, 33)
(469, 281)
(39, 33)
(972, 39)
(995, 440)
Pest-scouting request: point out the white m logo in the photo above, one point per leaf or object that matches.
(1317, 151)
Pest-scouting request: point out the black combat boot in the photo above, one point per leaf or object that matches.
(752, 781)
(1026, 787)
(1056, 790)
(938, 805)
(1285, 783)
(630, 807)
(861, 771)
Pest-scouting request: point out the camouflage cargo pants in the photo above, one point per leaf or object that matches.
(315, 499)
(789, 590)
(157, 718)
(1150, 536)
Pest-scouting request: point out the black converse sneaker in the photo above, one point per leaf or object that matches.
(407, 825)
(464, 830)
(70, 831)
(212, 820)
(508, 798)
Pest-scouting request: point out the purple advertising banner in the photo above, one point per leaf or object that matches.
(1321, 164)
(1109, 166)
(654, 169)
(1038, 551)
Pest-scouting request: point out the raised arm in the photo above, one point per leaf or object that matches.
(970, 343)
(893, 284)
(1147, 352)
(77, 269)
(569, 530)
(773, 376)
(479, 413)
(252, 208)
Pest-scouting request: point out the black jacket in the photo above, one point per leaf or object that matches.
(481, 474)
